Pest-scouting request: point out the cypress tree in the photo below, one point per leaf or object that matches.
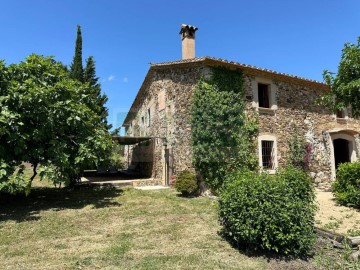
(90, 72)
(76, 68)
(95, 90)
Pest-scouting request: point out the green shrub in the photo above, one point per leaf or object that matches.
(186, 183)
(346, 187)
(272, 213)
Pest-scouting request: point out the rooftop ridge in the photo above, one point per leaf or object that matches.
(204, 58)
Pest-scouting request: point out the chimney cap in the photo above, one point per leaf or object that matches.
(187, 27)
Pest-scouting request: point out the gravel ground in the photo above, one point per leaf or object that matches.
(334, 217)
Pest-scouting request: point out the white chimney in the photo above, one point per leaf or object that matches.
(187, 33)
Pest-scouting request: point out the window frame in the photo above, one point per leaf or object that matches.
(261, 139)
(272, 91)
(265, 97)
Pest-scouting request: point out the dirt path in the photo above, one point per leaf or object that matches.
(334, 217)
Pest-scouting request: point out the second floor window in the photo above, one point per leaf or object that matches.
(148, 118)
(264, 95)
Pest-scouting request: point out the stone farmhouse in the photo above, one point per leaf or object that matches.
(158, 130)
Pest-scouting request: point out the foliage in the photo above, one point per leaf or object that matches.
(88, 75)
(117, 158)
(273, 213)
(46, 119)
(346, 187)
(76, 68)
(95, 90)
(344, 86)
(12, 179)
(115, 131)
(222, 135)
(299, 151)
(186, 183)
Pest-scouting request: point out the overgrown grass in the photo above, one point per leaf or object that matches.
(112, 228)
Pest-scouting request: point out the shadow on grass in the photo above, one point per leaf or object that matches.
(268, 255)
(21, 208)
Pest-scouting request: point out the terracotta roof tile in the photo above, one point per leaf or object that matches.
(240, 65)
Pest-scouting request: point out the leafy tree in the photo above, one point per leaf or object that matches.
(222, 135)
(345, 85)
(53, 124)
(11, 171)
(76, 68)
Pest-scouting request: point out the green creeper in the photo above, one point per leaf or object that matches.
(222, 135)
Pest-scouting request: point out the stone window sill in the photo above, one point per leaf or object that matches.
(268, 171)
(342, 120)
(268, 111)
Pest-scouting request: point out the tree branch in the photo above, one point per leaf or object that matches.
(34, 172)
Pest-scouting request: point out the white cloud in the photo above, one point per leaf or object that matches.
(111, 78)
(125, 80)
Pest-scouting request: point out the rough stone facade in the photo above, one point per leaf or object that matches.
(166, 94)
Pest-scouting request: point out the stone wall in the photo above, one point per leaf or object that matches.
(170, 126)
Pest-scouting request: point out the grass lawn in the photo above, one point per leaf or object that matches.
(113, 228)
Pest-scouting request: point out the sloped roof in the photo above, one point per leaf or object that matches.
(247, 69)
(219, 61)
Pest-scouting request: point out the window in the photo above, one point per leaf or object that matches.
(148, 117)
(340, 114)
(142, 121)
(264, 95)
(161, 100)
(267, 153)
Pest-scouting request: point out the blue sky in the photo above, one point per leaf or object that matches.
(298, 37)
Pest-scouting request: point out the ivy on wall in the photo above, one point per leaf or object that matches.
(222, 135)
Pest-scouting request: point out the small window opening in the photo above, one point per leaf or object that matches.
(267, 152)
(340, 114)
(264, 97)
(148, 118)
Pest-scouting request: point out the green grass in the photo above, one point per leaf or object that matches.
(111, 228)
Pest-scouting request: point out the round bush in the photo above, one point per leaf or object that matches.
(346, 187)
(273, 213)
(186, 183)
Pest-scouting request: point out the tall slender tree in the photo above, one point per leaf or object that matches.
(95, 90)
(90, 72)
(76, 68)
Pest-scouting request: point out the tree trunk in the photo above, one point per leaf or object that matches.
(34, 172)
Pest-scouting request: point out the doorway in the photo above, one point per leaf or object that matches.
(168, 166)
(341, 151)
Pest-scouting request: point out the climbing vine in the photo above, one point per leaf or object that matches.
(222, 134)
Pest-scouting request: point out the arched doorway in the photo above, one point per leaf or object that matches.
(341, 151)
